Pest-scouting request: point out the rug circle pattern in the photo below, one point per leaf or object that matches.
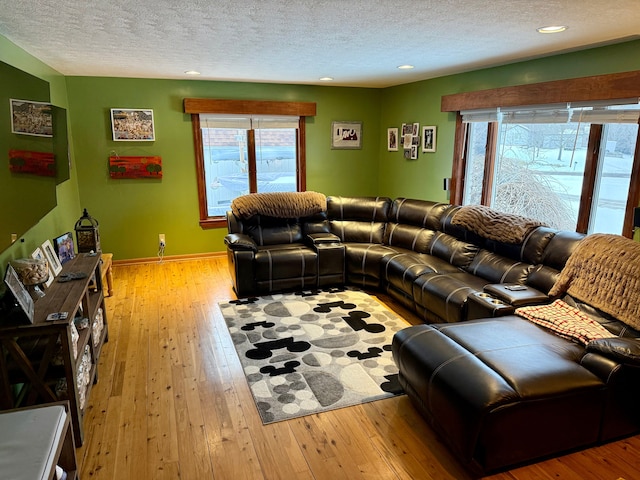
(313, 351)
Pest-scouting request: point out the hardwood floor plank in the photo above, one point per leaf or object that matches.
(172, 402)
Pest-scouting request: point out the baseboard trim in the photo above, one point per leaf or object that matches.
(169, 258)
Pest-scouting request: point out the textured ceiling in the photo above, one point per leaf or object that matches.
(357, 42)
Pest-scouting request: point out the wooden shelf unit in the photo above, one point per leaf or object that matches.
(34, 357)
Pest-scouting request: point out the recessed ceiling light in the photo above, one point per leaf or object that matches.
(552, 29)
(192, 72)
(405, 67)
(326, 79)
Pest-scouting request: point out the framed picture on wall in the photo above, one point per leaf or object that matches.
(429, 139)
(346, 135)
(132, 125)
(31, 118)
(392, 139)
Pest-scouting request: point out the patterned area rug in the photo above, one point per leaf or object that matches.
(313, 351)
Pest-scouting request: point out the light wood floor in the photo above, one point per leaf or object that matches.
(172, 402)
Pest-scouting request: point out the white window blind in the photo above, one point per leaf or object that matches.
(244, 122)
(611, 111)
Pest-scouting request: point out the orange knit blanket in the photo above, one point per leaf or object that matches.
(604, 271)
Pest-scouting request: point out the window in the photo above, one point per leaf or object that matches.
(246, 155)
(545, 163)
(246, 147)
(593, 120)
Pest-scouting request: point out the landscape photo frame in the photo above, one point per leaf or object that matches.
(31, 118)
(132, 125)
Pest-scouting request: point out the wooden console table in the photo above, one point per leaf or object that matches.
(38, 359)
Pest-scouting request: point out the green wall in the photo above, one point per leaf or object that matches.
(63, 217)
(132, 212)
(420, 102)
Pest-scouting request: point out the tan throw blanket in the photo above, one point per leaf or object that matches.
(566, 321)
(488, 223)
(604, 271)
(279, 204)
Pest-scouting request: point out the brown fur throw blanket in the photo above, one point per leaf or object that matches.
(279, 204)
(488, 223)
(604, 271)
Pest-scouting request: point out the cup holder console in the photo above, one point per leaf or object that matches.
(483, 305)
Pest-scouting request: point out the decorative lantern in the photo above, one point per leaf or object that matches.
(87, 235)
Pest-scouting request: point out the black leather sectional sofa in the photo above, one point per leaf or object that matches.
(408, 248)
(498, 389)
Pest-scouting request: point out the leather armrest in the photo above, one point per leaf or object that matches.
(324, 237)
(526, 296)
(623, 350)
(240, 241)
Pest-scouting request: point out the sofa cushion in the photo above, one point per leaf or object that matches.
(401, 269)
(623, 350)
(457, 252)
(294, 260)
(363, 262)
(445, 295)
(358, 219)
(420, 213)
(410, 237)
(273, 231)
(498, 269)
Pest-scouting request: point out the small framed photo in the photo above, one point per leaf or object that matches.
(52, 258)
(19, 292)
(132, 125)
(429, 139)
(65, 247)
(392, 139)
(345, 135)
(31, 118)
(38, 254)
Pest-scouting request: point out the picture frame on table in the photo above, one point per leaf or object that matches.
(346, 135)
(19, 292)
(132, 125)
(429, 138)
(65, 248)
(52, 258)
(38, 254)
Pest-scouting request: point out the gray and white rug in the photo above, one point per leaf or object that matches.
(313, 351)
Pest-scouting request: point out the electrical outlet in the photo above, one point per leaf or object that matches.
(161, 240)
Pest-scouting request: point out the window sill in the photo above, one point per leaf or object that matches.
(214, 222)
